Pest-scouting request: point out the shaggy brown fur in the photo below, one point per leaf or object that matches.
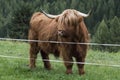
(46, 29)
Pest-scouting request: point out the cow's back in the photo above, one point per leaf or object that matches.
(39, 20)
(44, 29)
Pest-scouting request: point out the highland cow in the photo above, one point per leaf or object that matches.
(68, 26)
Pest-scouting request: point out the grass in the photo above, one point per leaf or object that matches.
(17, 69)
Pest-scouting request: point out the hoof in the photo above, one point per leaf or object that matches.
(32, 66)
(69, 72)
(81, 72)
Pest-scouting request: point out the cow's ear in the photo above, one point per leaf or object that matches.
(80, 18)
(56, 19)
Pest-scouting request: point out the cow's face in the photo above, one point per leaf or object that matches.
(66, 31)
(68, 23)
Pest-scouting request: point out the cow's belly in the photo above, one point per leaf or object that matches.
(48, 47)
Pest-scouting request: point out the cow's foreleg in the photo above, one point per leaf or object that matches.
(80, 57)
(33, 54)
(68, 64)
(46, 61)
(80, 64)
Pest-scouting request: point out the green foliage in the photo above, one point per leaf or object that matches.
(102, 35)
(114, 33)
(108, 35)
(115, 29)
(102, 32)
(18, 27)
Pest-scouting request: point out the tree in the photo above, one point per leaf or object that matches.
(101, 9)
(101, 36)
(114, 33)
(18, 27)
(111, 7)
(108, 35)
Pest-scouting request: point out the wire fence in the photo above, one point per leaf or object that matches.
(56, 42)
(60, 61)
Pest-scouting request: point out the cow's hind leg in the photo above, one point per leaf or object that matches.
(33, 48)
(46, 61)
(33, 54)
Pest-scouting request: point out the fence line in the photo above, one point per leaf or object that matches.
(60, 61)
(58, 42)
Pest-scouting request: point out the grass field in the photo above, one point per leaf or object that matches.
(17, 68)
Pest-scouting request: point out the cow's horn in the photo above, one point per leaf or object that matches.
(49, 15)
(83, 14)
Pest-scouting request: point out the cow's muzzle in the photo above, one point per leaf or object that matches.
(62, 33)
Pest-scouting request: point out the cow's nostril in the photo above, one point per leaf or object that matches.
(60, 32)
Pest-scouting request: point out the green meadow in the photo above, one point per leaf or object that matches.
(17, 68)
